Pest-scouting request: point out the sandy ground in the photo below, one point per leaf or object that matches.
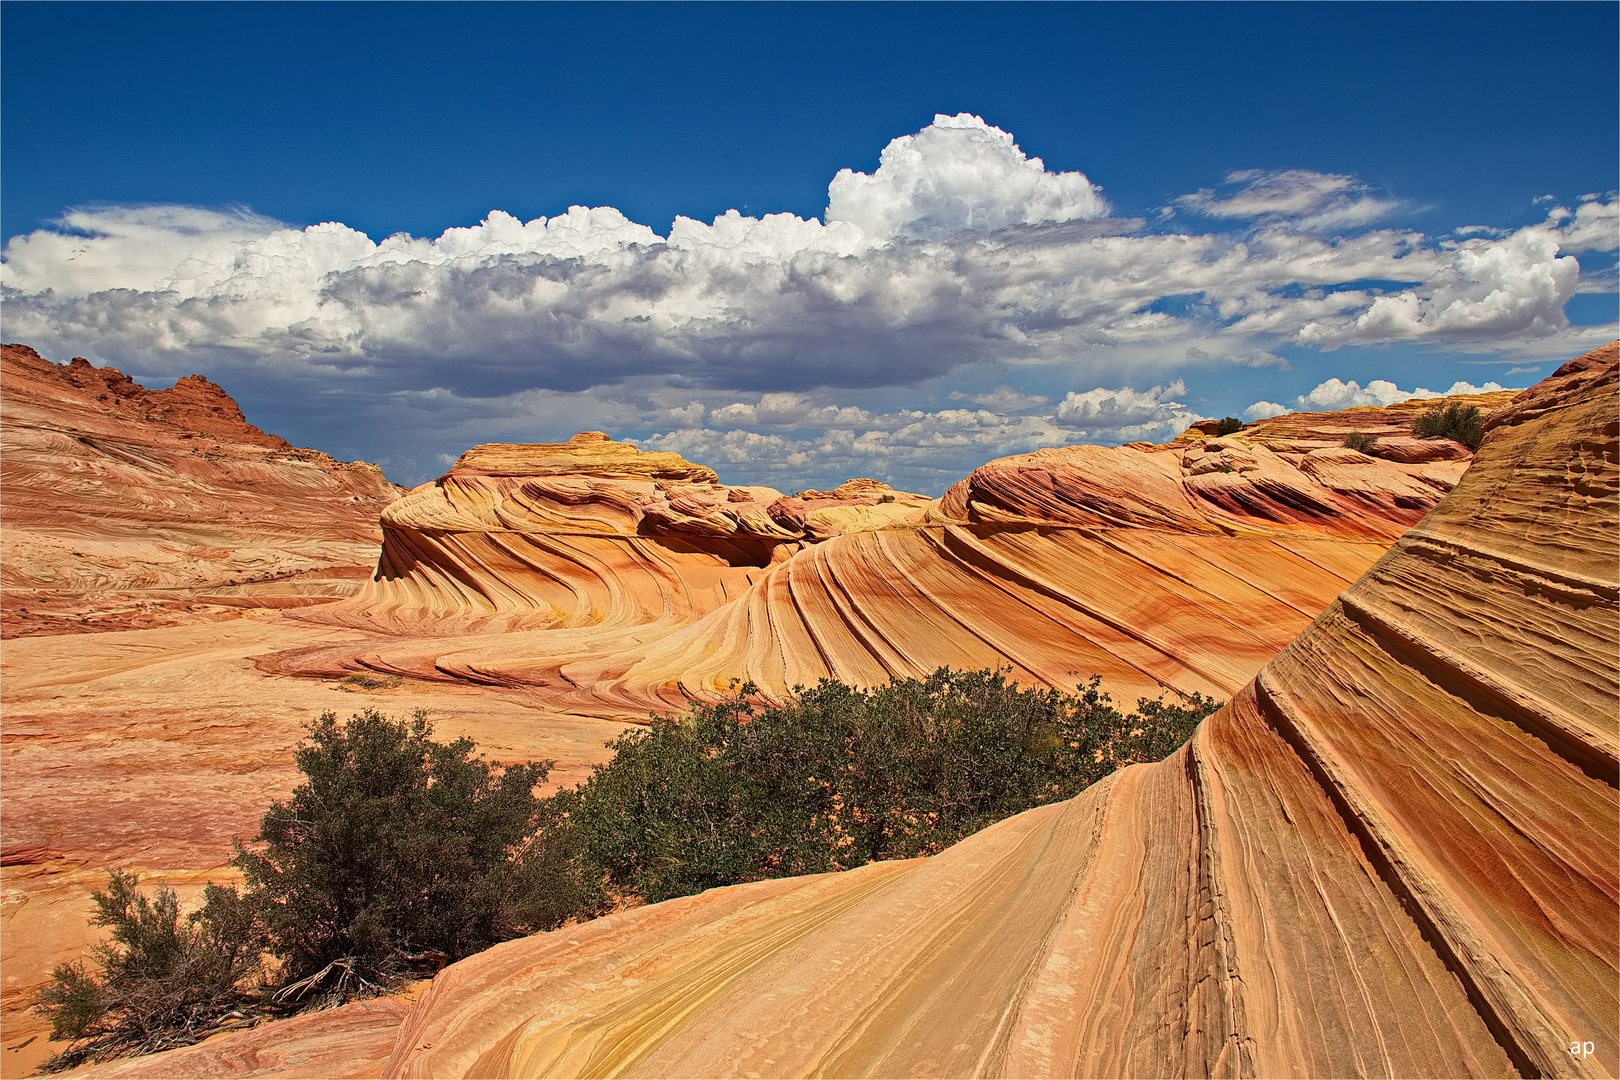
(149, 749)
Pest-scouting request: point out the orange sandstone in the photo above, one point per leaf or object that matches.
(607, 581)
(178, 533)
(1394, 853)
(124, 507)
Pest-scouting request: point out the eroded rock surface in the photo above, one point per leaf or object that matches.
(526, 590)
(1394, 853)
(351, 1042)
(612, 582)
(148, 748)
(124, 507)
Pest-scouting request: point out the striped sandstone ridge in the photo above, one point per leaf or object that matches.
(351, 1042)
(1394, 853)
(125, 507)
(586, 533)
(610, 582)
(162, 518)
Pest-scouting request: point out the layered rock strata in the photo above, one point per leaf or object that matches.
(124, 507)
(1394, 853)
(163, 520)
(351, 1042)
(612, 582)
(148, 750)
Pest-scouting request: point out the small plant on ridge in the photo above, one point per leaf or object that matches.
(1360, 440)
(1456, 422)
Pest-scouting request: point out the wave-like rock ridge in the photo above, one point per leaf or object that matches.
(1394, 853)
(125, 507)
(611, 581)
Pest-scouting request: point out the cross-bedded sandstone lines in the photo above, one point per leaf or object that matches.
(126, 508)
(1393, 854)
(613, 582)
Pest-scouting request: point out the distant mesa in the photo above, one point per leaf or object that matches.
(126, 508)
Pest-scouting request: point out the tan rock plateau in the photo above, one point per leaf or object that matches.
(1394, 853)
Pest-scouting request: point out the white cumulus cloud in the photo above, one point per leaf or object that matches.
(1341, 394)
(916, 449)
(788, 410)
(958, 253)
(1489, 288)
(959, 173)
(1594, 225)
(1265, 410)
(921, 449)
(125, 247)
(1128, 413)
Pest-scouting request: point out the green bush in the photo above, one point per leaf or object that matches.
(1360, 440)
(164, 980)
(398, 854)
(1464, 425)
(1227, 426)
(395, 851)
(837, 777)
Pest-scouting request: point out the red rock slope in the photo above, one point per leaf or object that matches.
(124, 507)
(610, 582)
(1393, 854)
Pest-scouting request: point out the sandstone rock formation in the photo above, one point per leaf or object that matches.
(611, 582)
(149, 748)
(351, 1042)
(124, 507)
(1394, 854)
(620, 582)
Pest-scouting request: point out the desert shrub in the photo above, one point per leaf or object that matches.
(1360, 440)
(1228, 425)
(161, 980)
(364, 681)
(837, 777)
(395, 851)
(395, 855)
(398, 853)
(1464, 425)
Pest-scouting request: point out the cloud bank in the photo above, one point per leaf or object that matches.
(775, 335)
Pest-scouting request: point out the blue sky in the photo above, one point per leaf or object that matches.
(1295, 194)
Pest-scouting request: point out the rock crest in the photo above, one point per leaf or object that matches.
(610, 581)
(1400, 837)
(125, 507)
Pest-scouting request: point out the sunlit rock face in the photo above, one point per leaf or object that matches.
(350, 1042)
(612, 582)
(166, 520)
(124, 507)
(1394, 853)
(589, 533)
